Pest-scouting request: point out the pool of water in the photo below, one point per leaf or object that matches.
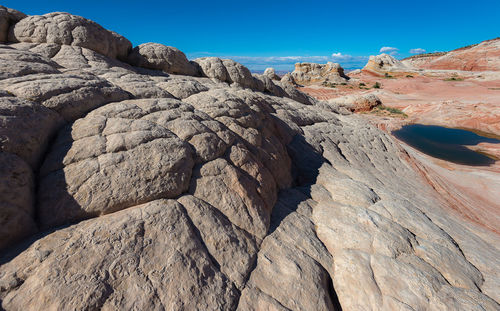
(446, 143)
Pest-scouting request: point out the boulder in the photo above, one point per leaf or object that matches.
(66, 29)
(265, 84)
(161, 57)
(78, 182)
(8, 17)
(269, 72)
(288, 78)
(225, 70)
(239, 74)
(244, 113)
(293, 93)
(213, 67)
(357, 103)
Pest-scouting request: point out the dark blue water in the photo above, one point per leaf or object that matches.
(445, 143)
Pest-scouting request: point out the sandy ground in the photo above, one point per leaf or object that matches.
(471, 101)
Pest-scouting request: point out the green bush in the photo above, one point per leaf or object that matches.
(328, 84)
(376, 85)
(391, 110)
(454, 79)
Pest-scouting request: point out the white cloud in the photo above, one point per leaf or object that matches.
(417, 51)
(339, 57)
(286, 63)
(388, 49)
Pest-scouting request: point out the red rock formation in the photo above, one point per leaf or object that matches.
(484, 56)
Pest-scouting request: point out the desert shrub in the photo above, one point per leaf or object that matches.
(391, 110)
(376, 85)
(329, 84)
(454, 79)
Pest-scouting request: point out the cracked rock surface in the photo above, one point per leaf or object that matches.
(148, 185)
(67, 29)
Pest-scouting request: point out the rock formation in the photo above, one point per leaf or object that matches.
(384, 63)
(357, 103)
(146, 185)
(307, 73)
(161, 57)
(271, 73)
(8, 17)
(67, 29)
(484, 56)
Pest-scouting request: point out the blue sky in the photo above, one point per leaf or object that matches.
(279, 33)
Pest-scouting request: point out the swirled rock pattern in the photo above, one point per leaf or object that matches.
(125, 187)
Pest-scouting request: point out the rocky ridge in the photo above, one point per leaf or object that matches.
(484, 56)
(146, 181)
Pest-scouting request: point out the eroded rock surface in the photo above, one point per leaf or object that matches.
(8, 17)
(384, 63)
(307, 73)
(67, 29)
(15, 63)
(225, 70)
(161, 57)
(158, 261)
(16, 203)
(152, 190)
(70, 95)
(271, 73)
